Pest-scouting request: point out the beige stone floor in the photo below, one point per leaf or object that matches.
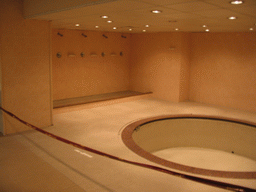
(32, 161)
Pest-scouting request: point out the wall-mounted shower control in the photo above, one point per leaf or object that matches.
(58, 55)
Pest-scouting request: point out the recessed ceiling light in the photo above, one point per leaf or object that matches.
(146, 25)
(207, 30)
(114, 28)
(97, 26)
(104, 16)
(236, 2)
(176, 29)
(109, 21)
(251, 29)
(77, 25)
(130, 29)
(156, 11)
(232, 18)
(144, 30)
(204, 26)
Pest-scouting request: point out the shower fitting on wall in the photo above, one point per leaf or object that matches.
(60, 34)
(58, 55)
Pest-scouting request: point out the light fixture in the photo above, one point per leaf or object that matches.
(232, 18)
(156, 11)
(143, 30)
(109, 21)
(207, 30)
(104, 16)
(146, 25)
(130, 29)
(176, 29)
(204, 26)
(97, 26)
(251, 29)
(114, 28)
(77, 25)
(236, 2)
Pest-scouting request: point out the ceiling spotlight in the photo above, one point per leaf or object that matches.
(114, 28)
(130, 29)
(146, 25)
(156, 11)
(143, 30)
(97, 26)
(251, 29)
(236, 2)
(207, 30)
(176, 29)
(204, 26)
(77, 25)
(104, 16)
(232, 18)
(109, 21)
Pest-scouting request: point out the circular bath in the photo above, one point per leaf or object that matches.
(211, 146)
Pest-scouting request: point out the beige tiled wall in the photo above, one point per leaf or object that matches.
(26, 68)
(76, 76)
(157, 62)
(223, 67)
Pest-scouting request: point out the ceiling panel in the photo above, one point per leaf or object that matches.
(226, 3)
(246, 10)
(192, 6)
(187, 15)
(217, 13)
(166, 2)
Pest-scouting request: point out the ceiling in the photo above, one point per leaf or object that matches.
(177, 15)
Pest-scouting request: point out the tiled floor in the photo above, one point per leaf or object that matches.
(32, 161)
